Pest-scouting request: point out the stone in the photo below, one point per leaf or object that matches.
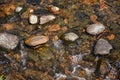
(95, 29)
(18, 9)
(102, 47)
(46, 18)
(8, 41)
(54, 9)
(36, 40)
(33, 19)
(54, 27)
(70, 36)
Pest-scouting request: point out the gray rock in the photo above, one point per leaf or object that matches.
(102, 47)
(46, 18)
(8, 41)
(95, 29)
(71, 36)
(33, 19)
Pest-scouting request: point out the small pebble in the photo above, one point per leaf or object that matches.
(33, 19)
(18, 9)
(71, 36)
(8, 41)
(36, 40)
(102, 47)
(95, 29)
(54, 9)
(46, 18)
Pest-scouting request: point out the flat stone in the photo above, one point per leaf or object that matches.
(46, 18)
(8, 41)
(102, 47)
(33, 19)
(36, 40)
(95, 29)
(70, 36)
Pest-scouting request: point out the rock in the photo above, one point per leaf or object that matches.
(95, 29)
(46, 18)
(54, 27)
(36, 40)
(102, 47)
(54, 9)
(71, 36)
(8, 41)
(18, 9)
(33, 19)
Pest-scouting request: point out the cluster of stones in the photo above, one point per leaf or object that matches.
(33, 19)
(10, 41)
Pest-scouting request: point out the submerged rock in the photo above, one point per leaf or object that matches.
(18, 9)
(54, 9)
(33, 19)
(95, 29)
(71, 36)
(46, 18)
(8, 41)
(36, 40)
(102, 47)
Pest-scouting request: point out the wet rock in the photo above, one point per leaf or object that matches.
(46, 18)
(8, 41)
(102, 47)
(95, 29)
(18, 9)
(36, 40)
(54, 27)
(54, 9)
(33, 19)
(70, 36)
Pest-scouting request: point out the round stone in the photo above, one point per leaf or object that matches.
(33, 19)
(70, 36)
(8, 41)
(95, 29)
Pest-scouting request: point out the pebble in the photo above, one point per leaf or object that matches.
(95, 29)
(36, 40)
(54, 9)
(46, 18)
(8, 41)
(18, 9)
(102, 47)
(71, 36)
(33, 19)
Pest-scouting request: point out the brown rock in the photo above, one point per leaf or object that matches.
(8, 26)
(36, 40)
(55, 27)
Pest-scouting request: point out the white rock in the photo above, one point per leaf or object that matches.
(33, 19)
(18, 9)
(8, 41)
(71, 36)
(46, 18)
(54, 9)
(102, 47)
(95, 29)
